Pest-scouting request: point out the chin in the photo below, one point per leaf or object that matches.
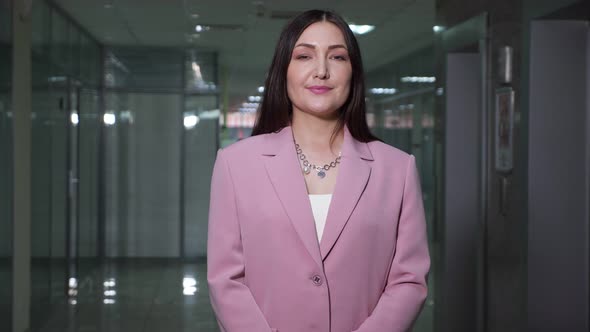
(324, 114)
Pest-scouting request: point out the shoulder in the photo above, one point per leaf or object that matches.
(393, 163)
(245, 148)
(383, 152)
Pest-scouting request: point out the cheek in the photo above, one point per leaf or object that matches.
(292, 78)
(346, 89)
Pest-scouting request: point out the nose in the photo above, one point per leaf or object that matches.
(322, 70)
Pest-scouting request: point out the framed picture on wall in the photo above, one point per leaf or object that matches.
(504, 135)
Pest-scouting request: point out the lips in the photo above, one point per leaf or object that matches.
(317, 89)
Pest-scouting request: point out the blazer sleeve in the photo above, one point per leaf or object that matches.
(406, 290)
(231, 299)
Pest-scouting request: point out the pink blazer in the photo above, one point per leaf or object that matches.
(267, 271)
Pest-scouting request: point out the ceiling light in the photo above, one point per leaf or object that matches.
(361, 29)
(418, 79)
(260, 89)
(201, 28)
(250, 105)
(57, 79)
(383, 91)
(211, 114)
(74, 118)
(109, 118)
(190, 121)
(438, 28)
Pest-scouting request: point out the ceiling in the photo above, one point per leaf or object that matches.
(244, 32)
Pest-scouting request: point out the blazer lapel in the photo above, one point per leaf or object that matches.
(285, 174)
(351, 182)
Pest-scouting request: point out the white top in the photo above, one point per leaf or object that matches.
(319, 206)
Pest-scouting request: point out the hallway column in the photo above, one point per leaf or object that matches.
(21, 105)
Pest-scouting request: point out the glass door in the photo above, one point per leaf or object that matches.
(73, 176)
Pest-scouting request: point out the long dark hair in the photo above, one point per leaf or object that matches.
(276, 109)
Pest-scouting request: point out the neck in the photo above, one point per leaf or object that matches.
(315, 133)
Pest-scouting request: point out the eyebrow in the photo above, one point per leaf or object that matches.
(329, 47)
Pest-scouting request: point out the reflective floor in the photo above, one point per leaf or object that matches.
(137, 295)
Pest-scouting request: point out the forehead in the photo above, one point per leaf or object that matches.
(322, 33)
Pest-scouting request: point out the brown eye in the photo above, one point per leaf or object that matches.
(340, 57)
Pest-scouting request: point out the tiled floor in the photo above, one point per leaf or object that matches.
(138, 296)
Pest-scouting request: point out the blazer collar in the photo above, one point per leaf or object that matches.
(282, 141)
(284, 171)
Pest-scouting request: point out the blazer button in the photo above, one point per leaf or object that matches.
(317, 280)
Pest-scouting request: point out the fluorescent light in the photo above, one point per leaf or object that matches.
(201, 28)
(190, 121)
(247, 109)
(54, 79)
(109, 118)
(438, 28)
(383, 91)
(250, 105)
(207, 115)
(361, 29)
(74, 118)
(418, 79)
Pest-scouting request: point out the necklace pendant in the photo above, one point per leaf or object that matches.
(322, 174)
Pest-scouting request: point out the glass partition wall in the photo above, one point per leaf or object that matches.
(6, 166)
(401, 102)
(123, 143)
(161, 138)
(64, 159)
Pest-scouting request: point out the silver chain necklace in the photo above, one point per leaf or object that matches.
(307, 166)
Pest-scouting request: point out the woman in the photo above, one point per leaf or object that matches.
(314, 224)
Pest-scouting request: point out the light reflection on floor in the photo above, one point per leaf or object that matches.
(142, 295)
(135, 295)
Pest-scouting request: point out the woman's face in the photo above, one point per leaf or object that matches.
(319, 74)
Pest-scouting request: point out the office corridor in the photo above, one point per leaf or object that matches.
(141, 295)
(112, 113)
(134, 296)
